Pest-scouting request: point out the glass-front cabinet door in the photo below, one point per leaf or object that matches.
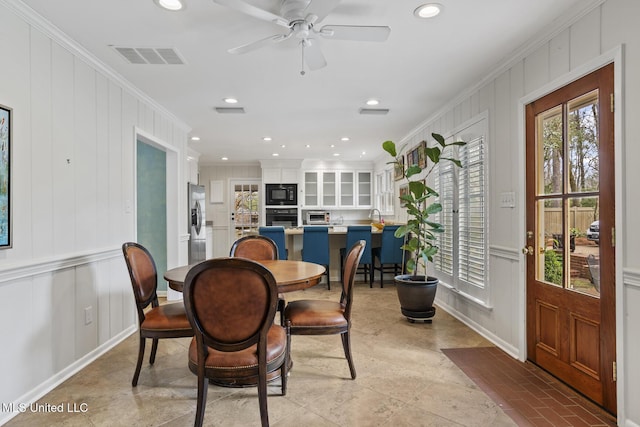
(347, 189)
(311, 189)
(329, 196)
(364, 189)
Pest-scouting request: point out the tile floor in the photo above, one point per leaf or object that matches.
(525, 392)
(404, 379)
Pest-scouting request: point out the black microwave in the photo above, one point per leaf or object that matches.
(281, 194)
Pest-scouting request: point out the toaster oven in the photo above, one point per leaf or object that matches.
(318, 218)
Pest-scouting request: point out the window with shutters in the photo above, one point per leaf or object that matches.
(461, 261)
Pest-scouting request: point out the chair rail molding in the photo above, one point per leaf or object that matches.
(20, 271)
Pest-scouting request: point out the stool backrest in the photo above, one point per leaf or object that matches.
(355, 233)
(275, 233)
(390, 246)
(315, 245)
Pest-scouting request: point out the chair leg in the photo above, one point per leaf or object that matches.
(346, 344)
(203, 387)
(136, 374)
(371, 272)
(281, 305)
(262, 393)
(154, 349)
(284, 369)
(328, 278)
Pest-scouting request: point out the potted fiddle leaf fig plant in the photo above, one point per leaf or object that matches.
(416, 290)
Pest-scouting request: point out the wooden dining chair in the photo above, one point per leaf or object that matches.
(161, 321)
(322, 317)
(258, 248)
(231, 303)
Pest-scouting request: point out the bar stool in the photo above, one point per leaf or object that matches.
(315, 247)
(389, 254)
(355, 233)
(276, 233)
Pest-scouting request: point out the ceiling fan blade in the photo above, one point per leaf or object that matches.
(321, 8)
(312, 54)
(251, 10)
(355, 32)
(259, 43)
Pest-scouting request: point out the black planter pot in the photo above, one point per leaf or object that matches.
(416, 295)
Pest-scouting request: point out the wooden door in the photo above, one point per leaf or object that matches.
(570, 235)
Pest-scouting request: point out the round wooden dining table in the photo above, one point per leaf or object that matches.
(290, 275)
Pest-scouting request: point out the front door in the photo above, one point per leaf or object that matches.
(570, 235)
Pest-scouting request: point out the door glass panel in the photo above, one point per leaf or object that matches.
(246, 218)
(551, 149)
(583, 143)
(584, 228)
(550, 256)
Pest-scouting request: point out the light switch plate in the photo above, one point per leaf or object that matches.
(508, 199)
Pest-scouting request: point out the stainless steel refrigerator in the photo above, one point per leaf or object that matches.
(197, 232)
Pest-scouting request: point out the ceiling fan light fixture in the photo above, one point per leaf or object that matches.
(172, 5)
(429, 10)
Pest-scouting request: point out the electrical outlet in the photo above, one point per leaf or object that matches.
(88, 315)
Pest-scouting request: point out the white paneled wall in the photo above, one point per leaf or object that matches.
(74, 131)
(578, 45)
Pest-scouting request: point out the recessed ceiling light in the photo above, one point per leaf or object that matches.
(336, 154)
(266, 138)
(230, 100)
(364, 152)
(195, 138)
(275, 154)
(224, 158)
(332, 145)
(373, 102)
(308, 146)
(344, 138)
(172, 5)
(428, 10)
(283, 146)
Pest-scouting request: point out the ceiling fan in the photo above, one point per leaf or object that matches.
(300, 17)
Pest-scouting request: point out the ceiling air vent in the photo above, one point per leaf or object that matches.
(230, 110)
(150, 55)
(374, 110)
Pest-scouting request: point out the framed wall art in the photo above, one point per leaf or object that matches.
(422, 156)
(398, 170)
(5, 176)
(404, 189)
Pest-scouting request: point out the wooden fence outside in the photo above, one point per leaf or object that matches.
(579, 218)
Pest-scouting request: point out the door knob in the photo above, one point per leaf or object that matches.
(527, 250)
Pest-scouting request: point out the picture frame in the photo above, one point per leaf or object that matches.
(398, 170)
(422, 157)
(6, 118)
(404, 189)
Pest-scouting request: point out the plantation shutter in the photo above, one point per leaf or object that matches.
(445, 185)
(471, 211)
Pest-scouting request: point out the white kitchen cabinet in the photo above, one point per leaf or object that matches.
(274, 175)
(347, 189)
(311, 188)
(364, 189)
(329, 189)
(332, 189)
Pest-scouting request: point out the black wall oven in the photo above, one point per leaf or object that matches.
(286, 217)
(281, 194)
